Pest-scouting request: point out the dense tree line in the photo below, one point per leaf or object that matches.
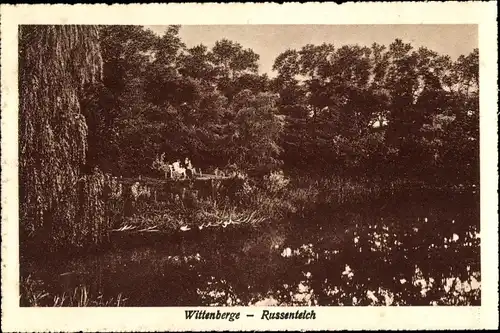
(350, 109)
(380, 109)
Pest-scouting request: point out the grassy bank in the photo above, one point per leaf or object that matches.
(160, 205)
(152, 205)
(34, 293)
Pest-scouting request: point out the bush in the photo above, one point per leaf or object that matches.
(276, 181)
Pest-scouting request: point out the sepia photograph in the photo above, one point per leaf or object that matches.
(336, 167)
(281, 167)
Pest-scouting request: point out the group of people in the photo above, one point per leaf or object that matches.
(183, 170)
(175, 170)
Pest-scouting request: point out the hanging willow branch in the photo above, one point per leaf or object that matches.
(58, 203)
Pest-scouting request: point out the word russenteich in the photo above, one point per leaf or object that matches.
(231, 316)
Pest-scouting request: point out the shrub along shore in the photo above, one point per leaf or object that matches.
(158, 210)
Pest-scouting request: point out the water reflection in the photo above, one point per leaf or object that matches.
(391, 261)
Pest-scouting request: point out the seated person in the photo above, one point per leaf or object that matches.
(190, 171)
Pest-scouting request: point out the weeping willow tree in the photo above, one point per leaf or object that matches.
(60, 204)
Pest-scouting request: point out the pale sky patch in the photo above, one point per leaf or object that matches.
(270, 40)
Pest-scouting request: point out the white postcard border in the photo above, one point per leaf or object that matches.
(484, 14)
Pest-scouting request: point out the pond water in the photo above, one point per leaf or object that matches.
(424, 253)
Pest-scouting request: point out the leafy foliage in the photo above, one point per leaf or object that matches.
(61, 202)
(373, 109)
(343, 109)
